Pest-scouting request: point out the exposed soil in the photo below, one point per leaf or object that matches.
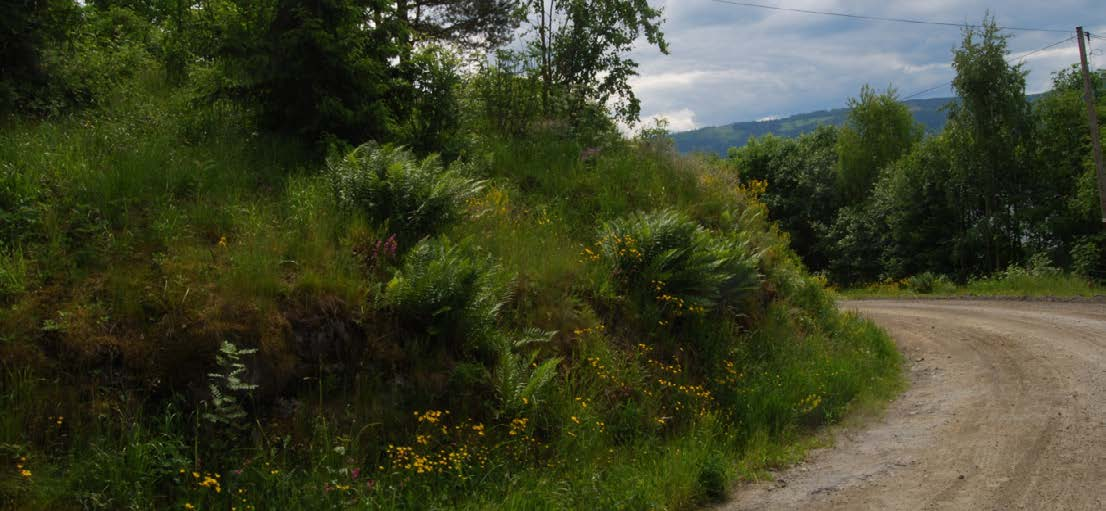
(1006, 410)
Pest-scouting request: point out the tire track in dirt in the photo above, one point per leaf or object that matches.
(1006, 410)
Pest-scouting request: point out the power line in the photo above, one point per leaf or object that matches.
(1039, 50)
(1018, 58)
(879, 18)
(931, 89)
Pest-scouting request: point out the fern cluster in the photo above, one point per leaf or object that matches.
(666, 257)
(520, 381)
(447, 294)
(415, 198)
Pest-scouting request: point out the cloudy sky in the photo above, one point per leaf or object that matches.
(731, 63)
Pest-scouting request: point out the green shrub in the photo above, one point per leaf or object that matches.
(928, 283)
(446, 295)
(415, 198)
(1086, 257)
(666, 257)
(712, 480)
(1040, 265)
(113, 45)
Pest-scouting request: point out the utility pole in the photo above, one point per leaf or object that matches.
(1092, 120)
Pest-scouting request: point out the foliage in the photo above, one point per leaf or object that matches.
(482, 24)
(1087, 258)
(580, 52)
(29, 29)
(20, 199)
(801, 175)
(916, 212)
(927, 283)
(859, 240)
(311, 69)
(228, 386)
(504, 95)
(58, 54)
(1067, 207)
(412, 197)
(520, 382)
(447, 296)
(433, 116)
(1032, 280)
(14, 273)
(712, 481)
(1008, 177)
(111, 46)
(878, 131)
(388, 367)
(667, 258)
(991, 141)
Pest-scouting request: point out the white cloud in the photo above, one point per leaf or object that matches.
(679, 120)
(731, 63)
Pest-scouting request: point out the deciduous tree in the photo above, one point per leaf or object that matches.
(879, 130)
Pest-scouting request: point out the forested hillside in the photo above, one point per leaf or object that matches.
(930, 113)
(357, 254)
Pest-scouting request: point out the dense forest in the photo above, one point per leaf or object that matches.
(369, 254)
(1008, 187)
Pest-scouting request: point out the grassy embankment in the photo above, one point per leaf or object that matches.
(547, 348)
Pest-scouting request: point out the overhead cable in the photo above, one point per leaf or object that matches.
(880, 18)
(1019, 58)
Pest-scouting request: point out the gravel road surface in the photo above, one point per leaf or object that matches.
(1006, 410)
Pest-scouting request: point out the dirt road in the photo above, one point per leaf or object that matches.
(1006, 410)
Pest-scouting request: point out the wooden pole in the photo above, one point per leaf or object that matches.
(1092, 121)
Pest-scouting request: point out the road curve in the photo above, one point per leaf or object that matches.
(1006, 410)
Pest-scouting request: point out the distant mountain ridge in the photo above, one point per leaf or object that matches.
(718, 139)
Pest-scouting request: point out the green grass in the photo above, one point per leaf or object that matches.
(1021, 285)
(151, 230)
